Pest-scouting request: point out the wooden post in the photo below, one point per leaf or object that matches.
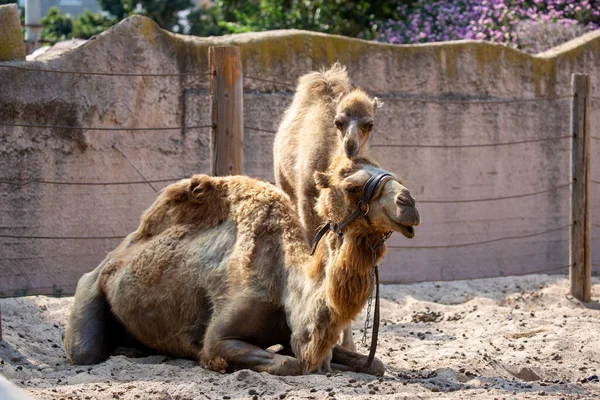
(581, 268)
(226, 100)
(11, 39)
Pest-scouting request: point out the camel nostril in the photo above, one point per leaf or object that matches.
(405, 199)
(350, 148)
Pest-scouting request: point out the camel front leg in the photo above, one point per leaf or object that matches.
(347, 339)
(234, 354)
(346, 360)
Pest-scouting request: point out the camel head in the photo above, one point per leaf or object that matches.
(391, 208)
(354, 120)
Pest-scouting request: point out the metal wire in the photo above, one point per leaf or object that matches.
(88, 128)
(595, 137)
(251, 128)
(472, 101)
(484, 277)
(593, 181)
(135, 168)
(27, 182)
(104, 73)
(481, 242)
(517, 196)
(432, 146)
(270, 81)
(61, 237)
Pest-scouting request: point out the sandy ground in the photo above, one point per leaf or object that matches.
(504, 338)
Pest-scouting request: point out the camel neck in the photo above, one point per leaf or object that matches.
(339, 276)
(349, 275)
(325, 295)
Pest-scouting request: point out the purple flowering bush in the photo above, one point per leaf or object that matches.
(533, 25)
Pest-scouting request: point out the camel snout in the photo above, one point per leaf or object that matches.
(350, 147)
(405, 199)
(411, 217)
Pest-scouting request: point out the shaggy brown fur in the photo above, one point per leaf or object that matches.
(219, 270)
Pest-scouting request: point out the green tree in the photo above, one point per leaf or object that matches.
(350, 18)
(89, 24)
(205, 21)
(56, 26)
(118, 8)
(165, 12)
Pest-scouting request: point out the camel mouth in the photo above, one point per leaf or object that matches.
(407, 230)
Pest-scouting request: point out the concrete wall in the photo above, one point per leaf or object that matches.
(457, 70)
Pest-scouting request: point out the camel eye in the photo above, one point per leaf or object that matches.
(368, 127)
(352, 189)
(338, 124)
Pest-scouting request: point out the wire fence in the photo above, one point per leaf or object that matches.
(107, 73)
(406, 98)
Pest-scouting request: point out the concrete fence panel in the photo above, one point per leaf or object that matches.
(451, 94)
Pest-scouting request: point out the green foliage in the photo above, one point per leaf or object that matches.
(350, 18)
(356, 18)
(89, 24)
(56, 26)
(205, 21)
(165, 12)
(118, 8)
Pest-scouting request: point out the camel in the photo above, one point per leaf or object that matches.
(219, 270)
(327, 117)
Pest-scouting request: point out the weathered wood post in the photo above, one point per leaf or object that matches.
(581, 268)
(226, 100)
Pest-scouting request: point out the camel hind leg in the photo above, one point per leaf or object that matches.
(86, 337)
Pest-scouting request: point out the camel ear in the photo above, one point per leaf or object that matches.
(200, 185)
(322, 179)
(376, 104)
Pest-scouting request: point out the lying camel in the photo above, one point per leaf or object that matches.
(219, 270)
(327, 117)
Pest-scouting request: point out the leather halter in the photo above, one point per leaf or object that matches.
(370, 189)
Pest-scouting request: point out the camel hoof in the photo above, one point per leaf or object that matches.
(377, 368)
(326, 365)
(217, 364)
(286, 366)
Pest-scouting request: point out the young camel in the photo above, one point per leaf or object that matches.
(219, 270)
(327, 118)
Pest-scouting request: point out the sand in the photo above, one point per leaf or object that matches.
(502, 338)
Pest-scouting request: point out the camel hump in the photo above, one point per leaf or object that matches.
(331, 83)
(197, 200)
